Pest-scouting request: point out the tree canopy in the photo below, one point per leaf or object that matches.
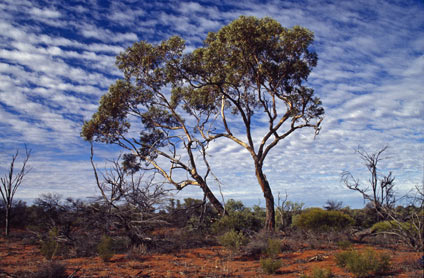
(250, 68)
(257, 69)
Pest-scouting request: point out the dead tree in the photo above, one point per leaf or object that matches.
(409, 229)
(10, 183)
(131, 198)
(381, 195)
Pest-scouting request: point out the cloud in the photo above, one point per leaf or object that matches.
(45, 13)
(91, 31)
(57, 59)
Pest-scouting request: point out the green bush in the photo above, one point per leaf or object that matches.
(344, 244)
(105, 248)
(364, 263)
(284, 214)
(386, 226)
(232, 240)
(320, 273)
(317, 219)
(270, 265)
(239, 218)
(273, 248)
(50, 246)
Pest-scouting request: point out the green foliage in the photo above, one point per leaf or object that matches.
(270, 265)
(284, 214)
(317, 219)
(363, 263)
(273, 248)
(250, 66)
(239, 218)
(365, 217)
(320, 273)
(50, 246)
(344, 244)
(387, 226)
(233, 240)
(233, 206)
(270, 262)
(105, 248)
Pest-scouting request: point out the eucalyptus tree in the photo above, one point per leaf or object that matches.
(141, 114)
(257, 69)
(10, 183)
(254, 68)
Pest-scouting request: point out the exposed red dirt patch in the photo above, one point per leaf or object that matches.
(201, 262)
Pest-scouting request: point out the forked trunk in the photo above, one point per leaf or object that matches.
(211, 197)
(269, 200)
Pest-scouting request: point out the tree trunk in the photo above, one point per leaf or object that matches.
(211, 197)
(269, 200)
(7, 220)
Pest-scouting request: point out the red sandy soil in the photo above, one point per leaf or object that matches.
(201, 262)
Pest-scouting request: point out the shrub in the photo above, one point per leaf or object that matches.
(83, 246)
(232, 240)
(256, 246)
(317, 219)
(320, 273)
(137, 252)
(105, 248)
(246, 221)
(284, 214)
(49, 270)
(270, 265)
(50, 246)
(121, 244)
(52, 269)
(363, 264)
(273, 248)
(344, 244)
(386, 226)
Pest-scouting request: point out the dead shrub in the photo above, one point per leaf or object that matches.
(48, 270)
(136, 252)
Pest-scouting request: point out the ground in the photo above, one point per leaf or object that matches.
(215, 261)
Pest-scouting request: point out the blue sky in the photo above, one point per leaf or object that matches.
(58, 57)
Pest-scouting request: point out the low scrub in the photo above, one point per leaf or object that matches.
(317, 219)
(320, 273)
(270, 265)
(273, 248)
(233, 240)
(239, 218)
(344, 244)
(410, 233)
(387, 226)
(363, 263)
(48, 270)
(50, 246)
(105, 248)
